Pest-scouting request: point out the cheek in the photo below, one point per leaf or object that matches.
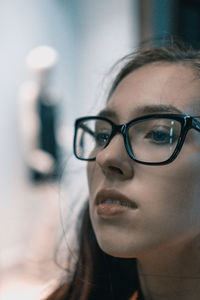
(90, 171)
(172, 193)
(180, 177)
(169, 206)
(92, 176)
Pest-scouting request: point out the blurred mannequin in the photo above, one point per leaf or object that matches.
(37, 109)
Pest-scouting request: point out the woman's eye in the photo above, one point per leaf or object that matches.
(160, 137)
(101, 138)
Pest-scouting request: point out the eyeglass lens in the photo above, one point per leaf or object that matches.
(151, 140)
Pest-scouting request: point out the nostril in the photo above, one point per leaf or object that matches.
(116, 170)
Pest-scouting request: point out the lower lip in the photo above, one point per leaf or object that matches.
(109, 210)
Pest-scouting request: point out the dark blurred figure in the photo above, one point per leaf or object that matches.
(177, 18)
(38, 117)
(187, 21)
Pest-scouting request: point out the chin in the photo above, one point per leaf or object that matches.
(116, 250)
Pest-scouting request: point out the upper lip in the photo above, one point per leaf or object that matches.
(112, 194)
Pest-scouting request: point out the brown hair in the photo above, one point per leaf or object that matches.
(98, 275)
(175, 52)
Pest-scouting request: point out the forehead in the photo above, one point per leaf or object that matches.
(158, 84)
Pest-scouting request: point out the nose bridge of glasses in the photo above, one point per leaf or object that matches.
(123, 128)
(117, 130)
(120, 129)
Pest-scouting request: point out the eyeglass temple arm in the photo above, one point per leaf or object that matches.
(88, 130)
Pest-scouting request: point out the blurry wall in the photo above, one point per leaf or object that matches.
(89, 36)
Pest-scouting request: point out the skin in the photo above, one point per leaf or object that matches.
(163, 232)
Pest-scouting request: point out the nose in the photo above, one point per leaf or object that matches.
(114, 159)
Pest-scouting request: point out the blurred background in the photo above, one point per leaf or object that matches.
(55, 57)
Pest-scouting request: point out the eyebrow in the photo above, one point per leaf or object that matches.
(158, 108)
(142, 110)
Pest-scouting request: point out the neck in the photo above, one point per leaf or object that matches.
(170, 274)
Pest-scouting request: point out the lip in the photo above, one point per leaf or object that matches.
(112, 194)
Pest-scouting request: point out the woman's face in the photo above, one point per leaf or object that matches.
(165, 200)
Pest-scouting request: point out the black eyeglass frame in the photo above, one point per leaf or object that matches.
(187, 122)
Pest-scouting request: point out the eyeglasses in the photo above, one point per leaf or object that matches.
(154, 139)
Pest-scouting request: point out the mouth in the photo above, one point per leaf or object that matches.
(110, 202)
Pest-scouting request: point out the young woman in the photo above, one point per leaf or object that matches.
(140, 230)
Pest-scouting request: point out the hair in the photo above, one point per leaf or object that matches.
(98, 275)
